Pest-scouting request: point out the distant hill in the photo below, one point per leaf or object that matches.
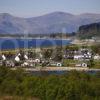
(55, 22)
(90, 30)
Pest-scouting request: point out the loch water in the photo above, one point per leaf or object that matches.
(12, 43)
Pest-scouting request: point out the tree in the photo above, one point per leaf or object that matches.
(31, 54)
(91, 63)
(47, 53)
(58, 54)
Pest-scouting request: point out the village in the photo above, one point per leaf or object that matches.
(77, 57)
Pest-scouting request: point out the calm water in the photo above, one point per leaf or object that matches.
(11, 43)
(45, 73)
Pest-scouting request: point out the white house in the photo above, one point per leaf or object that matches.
(17, 59)
(24, 64)
(78, 57)
(10, 64)
(3, 57)
(97, 57)
(26, 57)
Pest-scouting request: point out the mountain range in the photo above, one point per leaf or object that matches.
(55, 22)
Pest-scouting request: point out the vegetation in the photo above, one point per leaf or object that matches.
(71, 86)
(70, 62)
(96, 48)
(88, 31)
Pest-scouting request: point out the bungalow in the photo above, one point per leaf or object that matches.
(17, 59)
(78, 57)
(25, 64)
(3, 57)
(96, 57)
(10, 64)
(26, 57)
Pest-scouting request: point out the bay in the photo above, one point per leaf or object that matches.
(12, 43)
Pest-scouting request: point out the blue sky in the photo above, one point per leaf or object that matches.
(29, 8)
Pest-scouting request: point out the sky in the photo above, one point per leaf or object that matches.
(30, 8)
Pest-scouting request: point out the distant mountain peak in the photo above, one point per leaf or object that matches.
(5, 14)
(59, 13)
(50, 23)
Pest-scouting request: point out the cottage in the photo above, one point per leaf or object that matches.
(96, 57)
(17, 59)
(3, 57)
(26, 57)
(78, 57)
(25, 64)
(10, 64)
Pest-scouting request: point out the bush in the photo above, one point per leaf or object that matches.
(71, 86)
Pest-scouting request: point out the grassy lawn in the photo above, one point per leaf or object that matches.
(69, 62)
(96, 64)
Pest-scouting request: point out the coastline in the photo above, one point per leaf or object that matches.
(36, 38)
(58, 69)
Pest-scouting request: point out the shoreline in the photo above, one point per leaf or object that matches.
(36, 38)
(45, 69)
